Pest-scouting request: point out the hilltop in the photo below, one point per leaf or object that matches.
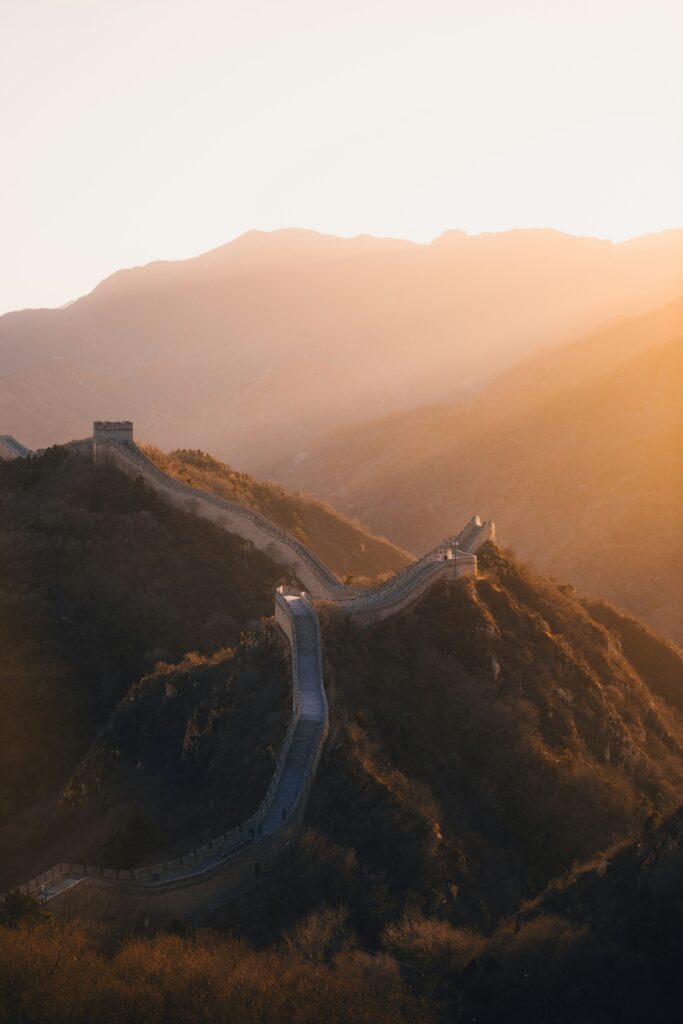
(251, 351)
(576, 451)
(488, 738)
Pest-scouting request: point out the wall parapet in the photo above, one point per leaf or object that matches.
(456, 554)
(204, 873)
(280, 807)
(264, 533)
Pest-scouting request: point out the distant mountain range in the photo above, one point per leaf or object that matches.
(253, 350)
(577, 453)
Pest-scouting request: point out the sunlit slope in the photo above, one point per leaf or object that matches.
(250, 351)
(487, 738)
(344, 546)
(577, 454)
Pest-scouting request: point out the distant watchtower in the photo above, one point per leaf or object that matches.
(119, 431)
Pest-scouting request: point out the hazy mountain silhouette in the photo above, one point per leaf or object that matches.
(212, 351)
(576, 453)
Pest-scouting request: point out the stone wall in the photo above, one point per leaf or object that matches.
(475, 534)
(188, 886)
(113, 430)
(391, 600)
(234, 518)
(445, 561)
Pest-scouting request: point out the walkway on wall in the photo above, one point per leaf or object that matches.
(282, 807)
(453, 557)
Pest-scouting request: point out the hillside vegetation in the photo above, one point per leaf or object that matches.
(481, 741)
(601, 944)
(99, 581)
(185, 756)
(344, 546)
(485, 741)
(489, 737)
(576, 454)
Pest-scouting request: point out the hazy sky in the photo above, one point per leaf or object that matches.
(140, 129)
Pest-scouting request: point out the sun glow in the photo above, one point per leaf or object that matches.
(135, 131)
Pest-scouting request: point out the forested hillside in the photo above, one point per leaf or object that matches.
(100, 580)
(484, 742)
(489, 737)
(345, 547)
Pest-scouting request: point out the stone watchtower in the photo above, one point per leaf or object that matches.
(119, 431)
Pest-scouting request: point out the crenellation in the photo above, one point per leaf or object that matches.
(106, 432)
(113, 430)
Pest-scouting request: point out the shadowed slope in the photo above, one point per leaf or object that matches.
(99, 580)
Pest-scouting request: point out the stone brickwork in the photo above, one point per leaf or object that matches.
(113, 430)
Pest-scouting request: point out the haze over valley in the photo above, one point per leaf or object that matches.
(577, 452)
(252, 350)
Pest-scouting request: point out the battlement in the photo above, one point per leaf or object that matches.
(113, 430)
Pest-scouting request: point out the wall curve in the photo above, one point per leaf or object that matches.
(187, 886)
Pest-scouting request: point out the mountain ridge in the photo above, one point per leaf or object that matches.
(576, 451)
(208, 351)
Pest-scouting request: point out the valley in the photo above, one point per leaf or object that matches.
(576, 451)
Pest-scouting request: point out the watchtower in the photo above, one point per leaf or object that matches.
(104, 431)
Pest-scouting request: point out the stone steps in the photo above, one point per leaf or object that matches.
(303, 741)
(306, 637)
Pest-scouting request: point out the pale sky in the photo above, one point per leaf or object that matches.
(133, 130)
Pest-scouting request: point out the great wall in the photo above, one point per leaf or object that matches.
(190, 886)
